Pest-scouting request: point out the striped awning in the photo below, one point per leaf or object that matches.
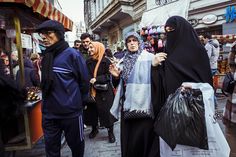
(46, 9)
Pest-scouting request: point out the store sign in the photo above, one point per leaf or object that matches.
(230, 14)
(26, 41)
(193, 22)
(209, 19)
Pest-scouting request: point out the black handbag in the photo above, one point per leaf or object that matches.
(90, 99)
(102, 87)
(228, 83)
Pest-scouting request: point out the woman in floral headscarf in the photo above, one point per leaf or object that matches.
(134, 93)
(98, 67)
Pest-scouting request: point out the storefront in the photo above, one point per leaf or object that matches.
(154, 19)
(18, 20)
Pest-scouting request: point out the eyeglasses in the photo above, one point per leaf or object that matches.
(169, 29)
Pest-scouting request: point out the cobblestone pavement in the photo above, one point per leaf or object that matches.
(99, 146)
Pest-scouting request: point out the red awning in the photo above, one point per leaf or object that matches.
(46, 9)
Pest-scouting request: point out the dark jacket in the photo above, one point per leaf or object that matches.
(84, 52)
(70, 86)
(31, 78)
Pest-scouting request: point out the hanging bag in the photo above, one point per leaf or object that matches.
(90, 99)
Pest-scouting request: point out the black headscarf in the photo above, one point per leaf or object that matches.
(187, 61)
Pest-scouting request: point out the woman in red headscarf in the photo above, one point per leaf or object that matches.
(98, 67)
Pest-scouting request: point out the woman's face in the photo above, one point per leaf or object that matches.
(132, 44)
(91, 50)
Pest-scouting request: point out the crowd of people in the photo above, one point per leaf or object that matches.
(130, 85)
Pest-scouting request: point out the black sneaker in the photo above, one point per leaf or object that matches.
(93, 133)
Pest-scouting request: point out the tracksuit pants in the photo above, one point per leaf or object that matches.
(73, 129)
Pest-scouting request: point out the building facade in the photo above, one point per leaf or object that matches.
(110, 20)
(213, 16)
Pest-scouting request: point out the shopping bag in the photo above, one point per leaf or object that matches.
(218, 146)
(177, 120)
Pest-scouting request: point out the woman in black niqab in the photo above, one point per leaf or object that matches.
(187, 61)
(187, 58)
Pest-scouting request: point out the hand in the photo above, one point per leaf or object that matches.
(114, 70)
(158, 58)
(186, 86)
(92, 81)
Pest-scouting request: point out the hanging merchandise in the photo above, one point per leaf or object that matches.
(152, 38)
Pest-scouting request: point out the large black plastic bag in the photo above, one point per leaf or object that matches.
(182, 120)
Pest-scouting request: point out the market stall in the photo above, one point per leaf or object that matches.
(226, 42)
(18, 20)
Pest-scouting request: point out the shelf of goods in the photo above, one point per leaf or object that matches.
(228, 38)
(223, 66)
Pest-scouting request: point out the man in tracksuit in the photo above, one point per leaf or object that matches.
(64, 87)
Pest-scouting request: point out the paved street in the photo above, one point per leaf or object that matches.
(99, 147)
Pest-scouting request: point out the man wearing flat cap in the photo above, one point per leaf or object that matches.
(64, 87)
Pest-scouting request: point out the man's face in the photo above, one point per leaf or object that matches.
(49, 38)
(132, 44)
(85, 42)
(77, 45)
(205, 40)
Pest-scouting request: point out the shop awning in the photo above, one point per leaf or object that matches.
(159, 15)
(45, 9)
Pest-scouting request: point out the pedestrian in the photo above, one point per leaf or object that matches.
(229, 114)
(98, 67)
(77, 44)
(85, 38)
(213, 51)
(64, 86)
(133, 96)
(186, 61)
(108, 53)
(12, 98)
(30, 75)
(119, 53)
(36, 60)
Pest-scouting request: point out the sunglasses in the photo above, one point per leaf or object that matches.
(169, 29)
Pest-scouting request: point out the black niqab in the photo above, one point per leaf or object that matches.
(187, 61)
